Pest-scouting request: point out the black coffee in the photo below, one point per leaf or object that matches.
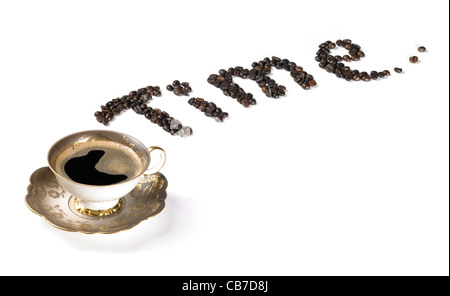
(99, 163)
(82, 170)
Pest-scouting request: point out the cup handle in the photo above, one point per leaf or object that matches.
(159, 164)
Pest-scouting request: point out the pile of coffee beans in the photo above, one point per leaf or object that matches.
(178, 88)
(269, 86)
(259, 73)
(333, 63)
(137, 101)
(224, 81)
(208, 108)
(162, 119)
(133, 100)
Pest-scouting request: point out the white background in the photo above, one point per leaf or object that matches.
(348, 178)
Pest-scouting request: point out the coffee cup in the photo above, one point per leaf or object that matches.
(99, 167)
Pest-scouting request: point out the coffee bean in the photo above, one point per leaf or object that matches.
(421, 49)
(153, 118)
(366, 78)
(330, 68)
(187, 131)
(398, 70)
(356, 77)
(312, 82)
(109, 116)
(212, 78)
(166, 127)
(413, 59)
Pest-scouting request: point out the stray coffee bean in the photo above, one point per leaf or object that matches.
(413, 59)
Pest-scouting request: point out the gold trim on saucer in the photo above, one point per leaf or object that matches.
(97, 213)
(49, 200)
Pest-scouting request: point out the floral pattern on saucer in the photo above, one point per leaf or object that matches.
(49, 200)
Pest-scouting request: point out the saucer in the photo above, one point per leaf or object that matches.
(49, 200)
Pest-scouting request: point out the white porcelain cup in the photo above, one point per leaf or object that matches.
(99, 198)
